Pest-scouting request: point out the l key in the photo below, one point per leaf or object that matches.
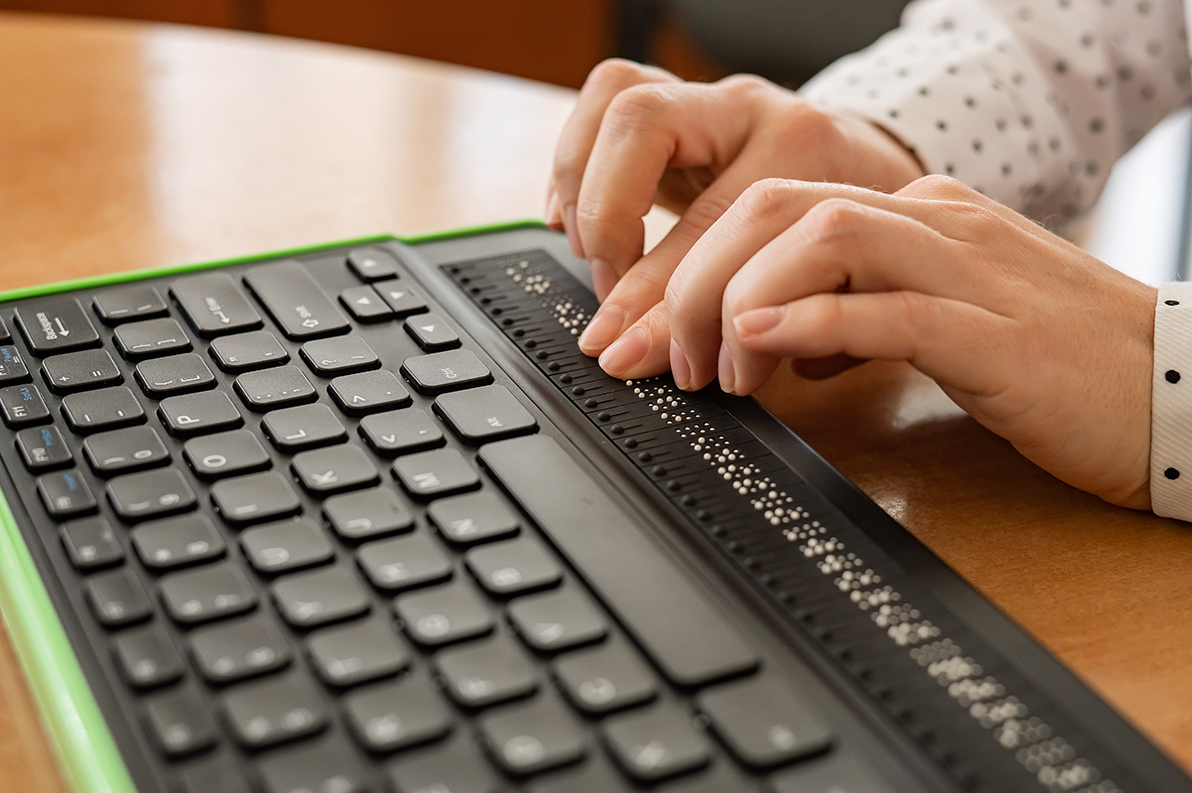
(295, 301)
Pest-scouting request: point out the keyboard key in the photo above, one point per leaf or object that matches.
(606, 678)
(396, 714)
(286, 545)
(839, 774)
(91, 543)
(55, 324)
(444, 614)
(245, 351)
(207, 593)
(364, 304)
(104, 409)
(368, 392)
(431, 333)
(147, 657)
(79, 371)
(357, 653)
(513, 566)
(238, 649)
(117, 598)
(400, 432)
(225, 454)
(319, 597)
(402, 299)
(333, 470)
(296, 303)
(329, 766)
(479, 674)
(445, 371)
(214, 305)
(403, 562)
(762, 722)
(343, 355)
(655, 744)
(22, 405)
(303, 427)
(593, 776)
(255, 498)
(193, 414)
(435, 473)
(43, 448)
(473, 518)
(274, 388)
(177, 542)
(150, 338)
(456, 767)
(370, 513)
(274, 710)
(150, 494)
(125, 450)
(558, 620)
(372, 264)
(480, 415)
(177, 374)
(65, 494)
(126, 303)
(179, 722)
(533, 737)
(12, 366)
(5, 336)
(213, 773)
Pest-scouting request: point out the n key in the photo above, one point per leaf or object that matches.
(56, 324)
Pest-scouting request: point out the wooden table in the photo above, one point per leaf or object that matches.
(126, 146)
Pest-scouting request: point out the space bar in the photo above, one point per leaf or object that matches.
(669, 616)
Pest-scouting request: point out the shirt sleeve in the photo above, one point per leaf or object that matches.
(1028, 101)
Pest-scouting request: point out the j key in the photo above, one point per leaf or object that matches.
(327, 767)
(513, 566)
(432, 333)
(558, 620)
(351, 654)
(319, 597)
(444, 614)
(445, 371)
(368, 392)
(400, 432)
(402, 299)
(206, 593)
(605, 678)
(65, 493)
(254, 498)
(274, 710)
(403, 562)
(274, 388)
(656, 743)
(533, 737)
(79, 371)
(841, 772)
(303, 427)
(364, 304)
(371, 264)
(147, 657)
(22, 405)
(480, 415)
(435, 473)
(179, 722)
(177, 542)
(177, 374)
(137, 301)
(339, 468)
(151, 338)
(12, 366)
(125, 450)
(150, 494)
(244, 351)
(56, 324)
(286, 545)
(43, 448)
(479, 674)
(295, 301)
(214, 305)
(117, 597)
(240, 648)
(105, 409)
(344, 355)
(192, 414)
(91, 543)
(225, 454)
(473, 517)
(762, 722)
(370, 513)
(392, 715)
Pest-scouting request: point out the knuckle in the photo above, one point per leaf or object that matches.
(835, 220)
(746, 84)
(613, 72)
(766, 197)
(638, 107)
(940, 187)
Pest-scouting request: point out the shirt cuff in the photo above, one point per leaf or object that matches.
(1171, 404)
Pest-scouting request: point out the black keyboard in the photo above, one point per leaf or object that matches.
(364, 519)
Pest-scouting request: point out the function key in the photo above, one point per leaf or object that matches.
(80, 371)
(404, 562)
(473, 517)
(125, 450)
(91, 543)
(179, 722)
(443, 615)
(431, 332)
(435, 473)
(372, 264)
(364, 304)
(150, 494)
(606, 678)
(400, 432)
(254, 498)
(286, 545)
(126, 303)
(193, 414)
(331, 357)
(12, 366)
(404, 712)
(43, 448)
(357, 653)
(245, 351)
(117, 597)
(368, 392)
(274, 388)
(445, 371)
(177, 542)
(762, 722)
(214, 305)
(147, 657)
(303, 427)
(22, 405)
(402, 299)
(151, 338)
(65, 493)
(56, 324)
(533, 737)
(274, 710)
(177, 374)
(484, 414)
(331, 470)
(225, 454)
(241, 648)
(206, 593)
(296, 303)
(320, 596)
(369, 513)
(103, 409)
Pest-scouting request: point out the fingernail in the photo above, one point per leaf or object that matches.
(603, 329)
(552, 212)
(626, 351)
(680, 368)
(759, 320)
(727, 374)
(604, 277)
(572, 231)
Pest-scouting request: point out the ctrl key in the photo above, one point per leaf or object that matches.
(65, 493)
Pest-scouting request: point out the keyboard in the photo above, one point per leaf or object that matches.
(362, 518)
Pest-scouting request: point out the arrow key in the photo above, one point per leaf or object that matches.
(403, 300)
(368, 392)
(365, 305)
(401, 432)
(432, 333)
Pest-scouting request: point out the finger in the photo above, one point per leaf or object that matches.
(643, 350)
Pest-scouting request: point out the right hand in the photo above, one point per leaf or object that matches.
(640, 136)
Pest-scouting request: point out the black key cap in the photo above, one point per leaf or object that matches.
(274, 388)
(303, 427)
(333, 470)
(117, 598)
(401, 298)
(403, 562)
(327, 767)
(368, 392)
(207, 593)
(105, 409)
(445, 371)
(238, 649)
(225, 454)
(22, 405)
(444, 614)
(400, 432)
(558, 620)
(762, 722)
(371, 513)
(177, 542)
(147, 657)
(91, 543)
(396, 714)
(245, 351)
(296, 303)
(43, 448)
(150, 494)
(593, 776)
(319, 597)
(286, 545)
(533, 737)
(344, 355)
(372, 264)
(350, 654)
(431, 333)
(125, 450)
(274, 710)
(12, 366)
(673, 619)
(480, 415)
(65, 493)
(179, 722)
(177, 374)
(513, 566)
(214, 305)
(605, 678)
(5, 336)
(364, 304)
(193, 414)
(473, 517)
(436, 473)
(135, 301)
(839, 774)
(255, 498)
(454, 768)
(79, 371)
(479, 674)
(56, 324)
(151, 338)
(656, 743)
(215, 774)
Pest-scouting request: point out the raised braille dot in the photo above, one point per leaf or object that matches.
(1171, 473)
(1171, 302)
(1172, 376)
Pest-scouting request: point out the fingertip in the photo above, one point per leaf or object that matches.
(726, 371)
(680, 368)
(603, 329)
(553, 217)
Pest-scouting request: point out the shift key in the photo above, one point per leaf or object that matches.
(295, 301)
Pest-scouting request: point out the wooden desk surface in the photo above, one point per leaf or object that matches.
(126, 146)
